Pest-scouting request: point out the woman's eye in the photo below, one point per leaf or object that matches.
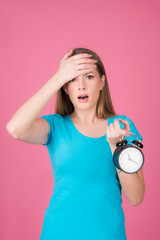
(90, 76)
(72, 80)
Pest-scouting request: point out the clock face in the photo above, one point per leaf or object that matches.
(130, 159)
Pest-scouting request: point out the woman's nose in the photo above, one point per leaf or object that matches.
(81, 87)
(81, 83)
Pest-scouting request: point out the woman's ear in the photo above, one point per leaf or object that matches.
(102, 82)
(65, 88)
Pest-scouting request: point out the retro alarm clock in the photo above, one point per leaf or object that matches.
(128, 158)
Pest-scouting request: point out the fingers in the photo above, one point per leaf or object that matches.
(116, 125)
(116, 129)
(67, 55)
(86, 66)
(80, 58)
(82, 55)
(86, 60)
(126, 127)
(83, 62)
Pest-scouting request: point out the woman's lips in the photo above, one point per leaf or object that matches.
(83, 100)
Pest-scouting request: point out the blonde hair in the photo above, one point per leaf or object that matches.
(104, 107)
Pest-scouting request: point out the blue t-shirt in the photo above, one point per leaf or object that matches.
(86, 200)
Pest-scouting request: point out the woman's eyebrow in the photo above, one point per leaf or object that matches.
(88, 73)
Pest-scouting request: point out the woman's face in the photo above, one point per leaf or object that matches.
(89, 84)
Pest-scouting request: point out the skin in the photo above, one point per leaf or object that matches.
(91, 84)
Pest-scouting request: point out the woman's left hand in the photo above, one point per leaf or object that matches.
(115, 133)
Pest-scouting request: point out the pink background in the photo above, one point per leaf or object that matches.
(35, 35)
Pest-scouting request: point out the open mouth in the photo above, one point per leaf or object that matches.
(82, 97)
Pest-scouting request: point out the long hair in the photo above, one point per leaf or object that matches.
(104, 107)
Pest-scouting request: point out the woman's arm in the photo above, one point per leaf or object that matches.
(23, 119)
(24, 125)
(133, 184)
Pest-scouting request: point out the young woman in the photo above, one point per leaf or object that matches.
(81, 138)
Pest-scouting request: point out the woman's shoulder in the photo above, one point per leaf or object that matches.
(125, 117)
(120, 116)
(53, 115)
(52, 118)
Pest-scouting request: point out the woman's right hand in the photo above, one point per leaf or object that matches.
(71, 67)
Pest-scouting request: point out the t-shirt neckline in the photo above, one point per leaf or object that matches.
(87, 137)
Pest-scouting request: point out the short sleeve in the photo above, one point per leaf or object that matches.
(50, 119)
(133, 129)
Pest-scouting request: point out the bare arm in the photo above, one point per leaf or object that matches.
(133, 185)
(24, 125)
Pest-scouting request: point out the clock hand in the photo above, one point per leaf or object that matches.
(130, 158)
(128, 155)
